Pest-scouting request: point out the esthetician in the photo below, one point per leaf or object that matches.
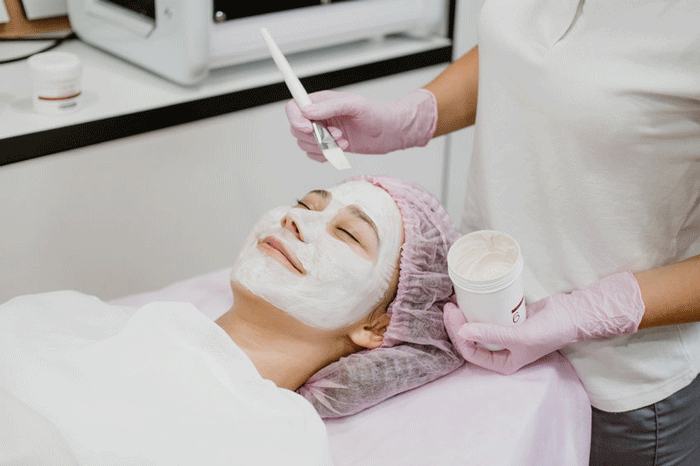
(587, 151)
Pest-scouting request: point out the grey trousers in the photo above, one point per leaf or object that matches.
(666, 433)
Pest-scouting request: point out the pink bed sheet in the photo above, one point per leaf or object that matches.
(538, 416)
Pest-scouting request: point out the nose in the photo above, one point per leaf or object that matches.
(289, 224)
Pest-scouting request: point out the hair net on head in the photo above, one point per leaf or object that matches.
(416, 349)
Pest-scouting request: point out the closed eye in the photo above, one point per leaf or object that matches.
(302, 204)
(317, 200)
(343, 230)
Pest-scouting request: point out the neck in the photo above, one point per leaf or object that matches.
(282, 349)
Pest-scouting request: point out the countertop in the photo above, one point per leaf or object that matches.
(121, 99)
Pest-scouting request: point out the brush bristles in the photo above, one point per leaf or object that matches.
(337, 158)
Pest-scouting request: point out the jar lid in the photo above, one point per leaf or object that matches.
(54, 66)
(484, 261)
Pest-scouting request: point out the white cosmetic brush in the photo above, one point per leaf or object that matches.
(325, 141)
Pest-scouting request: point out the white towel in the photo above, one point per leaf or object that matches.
(159, 385)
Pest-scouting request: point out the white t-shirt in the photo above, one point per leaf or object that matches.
(159, 385)
(587, 151)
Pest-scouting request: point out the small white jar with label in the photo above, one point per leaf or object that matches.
(57, 82)
(486, 269)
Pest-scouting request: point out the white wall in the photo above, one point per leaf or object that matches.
(138, 213)
(141, 212)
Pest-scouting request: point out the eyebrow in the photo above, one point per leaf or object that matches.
(321, 192)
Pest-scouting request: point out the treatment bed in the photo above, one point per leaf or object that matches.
(539, 415)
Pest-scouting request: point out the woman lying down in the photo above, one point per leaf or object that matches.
(338, 298)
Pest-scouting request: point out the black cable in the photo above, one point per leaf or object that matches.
(57, 41)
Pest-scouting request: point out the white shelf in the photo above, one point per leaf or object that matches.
(113, 87)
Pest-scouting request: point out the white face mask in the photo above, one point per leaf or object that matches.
(340, 286)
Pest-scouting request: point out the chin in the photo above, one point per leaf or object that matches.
(238, 289)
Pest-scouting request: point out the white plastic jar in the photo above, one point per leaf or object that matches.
(57, 82)
(486, 269)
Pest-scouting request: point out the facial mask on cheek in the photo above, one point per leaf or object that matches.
(340, 286)
(337, 291)
(334, 293)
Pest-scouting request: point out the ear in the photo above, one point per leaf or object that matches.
(370, 333)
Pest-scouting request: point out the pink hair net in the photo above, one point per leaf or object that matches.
(416, 348)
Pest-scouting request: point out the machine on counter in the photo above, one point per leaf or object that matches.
(182, 40)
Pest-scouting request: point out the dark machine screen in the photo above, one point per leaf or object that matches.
(142, 7)
(235, 9)
(225, 10)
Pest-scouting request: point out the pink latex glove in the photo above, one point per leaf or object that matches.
(610, 307)
(365, 126)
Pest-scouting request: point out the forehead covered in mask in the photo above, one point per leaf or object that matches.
(338, 286)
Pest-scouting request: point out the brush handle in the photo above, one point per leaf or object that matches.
(293, 83)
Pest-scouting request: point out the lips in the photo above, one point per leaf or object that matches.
(277, 248)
